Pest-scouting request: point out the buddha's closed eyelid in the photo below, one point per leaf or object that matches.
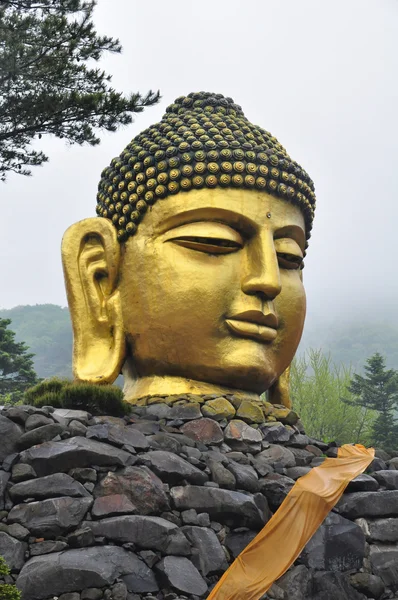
(205, 230)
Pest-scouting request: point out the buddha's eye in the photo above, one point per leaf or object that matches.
(289, 261)
(208, 245)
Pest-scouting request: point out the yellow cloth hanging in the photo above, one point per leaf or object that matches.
(282, 539)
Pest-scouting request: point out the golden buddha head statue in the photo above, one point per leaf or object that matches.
(190, 278)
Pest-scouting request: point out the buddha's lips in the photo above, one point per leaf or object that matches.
(254, 324)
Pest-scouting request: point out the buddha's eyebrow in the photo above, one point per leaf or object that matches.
(236, 220)
(295, 232)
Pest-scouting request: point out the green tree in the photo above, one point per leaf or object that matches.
(316, 385)
(7, 591)
(48, 84)
(16, 365)
(377, 390)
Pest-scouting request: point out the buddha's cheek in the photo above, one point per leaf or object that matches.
(291, 309)
(174, 310)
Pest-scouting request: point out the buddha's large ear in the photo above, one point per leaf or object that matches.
(91, 257)
(279, 392)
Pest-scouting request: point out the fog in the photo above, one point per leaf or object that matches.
(320, 76)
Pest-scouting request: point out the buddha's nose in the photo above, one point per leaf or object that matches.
(261, 274)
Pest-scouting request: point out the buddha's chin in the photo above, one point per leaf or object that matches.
(251, 371)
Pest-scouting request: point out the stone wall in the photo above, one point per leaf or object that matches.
(158, 504)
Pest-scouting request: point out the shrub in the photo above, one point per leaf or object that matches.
(47, 386)
(7, 591)
(63, 393)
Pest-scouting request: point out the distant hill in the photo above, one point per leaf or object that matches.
(47, 330)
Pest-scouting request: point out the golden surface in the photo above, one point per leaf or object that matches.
(207, 297)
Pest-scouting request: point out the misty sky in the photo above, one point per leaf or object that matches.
(319, 75)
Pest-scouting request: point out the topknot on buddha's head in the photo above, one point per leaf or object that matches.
(203, 140)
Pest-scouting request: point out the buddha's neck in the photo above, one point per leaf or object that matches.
(168, 385)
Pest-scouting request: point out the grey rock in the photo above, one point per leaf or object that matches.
(77, 428)
(299, 440)
(172, 468)
(236, 541)
(276, 434)
(333, 586)
(296, 583)
(185, 412)
(369, 504)
(380, 453)
(303, 457)
(146, 427)
(297, 472)
(115, 504)
(58, 484)
(141, 579)
(275, 488)
(74, 570)
(182, 575)
(366, 583)
(18, 531)
(143, 488)
(46, 547)
(52, 517)
(383, 530)
(67, 414)
(10, 461)
(165, 442)
(377, 465)
(161, 411)
(81, 538)
(153, 533)
(275, 455)
(22, 472)
(119, 591)
(84, 474)
(363, 483)
(13, 551)
(211, 557)
(338, 545)
(17, 414)
(245, 476)
(39, 435)
(190, 517)
(117, 435)
(150, 558)
(10, 433)
(4, 477)
(54, 457)
(388, 479)
(91, 594)
(70, 596)
(37, 420)
(221, 475)
(384, 561)
(223, 505)
(393, 463)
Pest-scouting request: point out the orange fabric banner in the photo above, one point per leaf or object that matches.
(281, 540)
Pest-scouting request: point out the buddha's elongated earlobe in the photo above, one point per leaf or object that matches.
(279, 392)
(91, 256)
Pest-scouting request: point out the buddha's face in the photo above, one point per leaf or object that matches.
(211, 288)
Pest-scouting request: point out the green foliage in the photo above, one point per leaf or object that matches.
(47, 330)
(48, 84)
(317, 385)
(16, 365)
(7, 591)
(377, 390)
(62, 393)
